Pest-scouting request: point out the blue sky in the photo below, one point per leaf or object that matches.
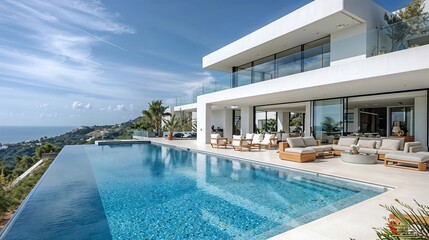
(93, 62)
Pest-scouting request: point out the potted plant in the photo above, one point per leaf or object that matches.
(171, 124)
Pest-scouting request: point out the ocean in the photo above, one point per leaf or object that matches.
(14, 134)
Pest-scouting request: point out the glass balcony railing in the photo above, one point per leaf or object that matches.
(399, 36)
(402, 35)
(314, 58)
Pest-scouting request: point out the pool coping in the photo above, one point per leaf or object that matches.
(356, 221)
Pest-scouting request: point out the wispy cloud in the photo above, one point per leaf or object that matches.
(50, 53)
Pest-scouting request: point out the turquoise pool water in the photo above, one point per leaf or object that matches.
(147, 191)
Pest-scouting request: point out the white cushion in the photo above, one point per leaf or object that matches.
(321, 148)
(236, 140)
(366, 143)
(256, 138)
(216, 135)
(249, 135)
(346, 141)
(390, 144)
(340, 148)
(407, 145)
(309, 141)
(412, 157)
(368, 150)
(300, 150)
(295, 142)
(267, 138)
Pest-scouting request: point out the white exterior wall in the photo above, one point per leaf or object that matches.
(348, 45)
(218, 119)
(421, 121)
(308, 117)
(223, 119)
(283, 121)
(204, 122)
(246, 120)
(351, 44)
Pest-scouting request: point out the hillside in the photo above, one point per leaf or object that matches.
(82, 135)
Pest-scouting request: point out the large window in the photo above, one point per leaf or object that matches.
(402, 121)
(266, 122)
(263, 69)
(236, 122)
(327, 119)
(302, 58)
(316, 54)
(289, 62)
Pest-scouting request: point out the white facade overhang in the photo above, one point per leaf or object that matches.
(313, 21)
(398, 71)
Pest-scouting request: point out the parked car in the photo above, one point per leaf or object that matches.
(178, 135)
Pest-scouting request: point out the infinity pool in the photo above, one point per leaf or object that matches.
(147, 191)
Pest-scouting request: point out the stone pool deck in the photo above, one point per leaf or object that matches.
(354, 222)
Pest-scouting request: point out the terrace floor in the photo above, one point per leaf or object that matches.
(354, 222)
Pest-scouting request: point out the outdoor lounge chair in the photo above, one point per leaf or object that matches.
(238, 143)
(269, 141)
(407, 160)
(216, 141)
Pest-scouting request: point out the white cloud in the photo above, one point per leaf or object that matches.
(44, 105)
(79, 105)
(120, 108)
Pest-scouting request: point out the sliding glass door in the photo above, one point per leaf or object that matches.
(327, 119)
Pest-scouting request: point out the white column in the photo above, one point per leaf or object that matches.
(421, 121)
(247, 119)
(283, 121)
(204, 122)
(227, 128)
(308, 117)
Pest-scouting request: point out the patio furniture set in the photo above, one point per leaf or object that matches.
(249, 142)
(395, 152)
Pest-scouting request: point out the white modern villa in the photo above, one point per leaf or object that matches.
(332, 62)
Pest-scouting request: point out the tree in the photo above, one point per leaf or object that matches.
(411, 20)
(185, 122)
(297, 122)
(4, 197)
(270, 125)
(156, 112)
(46, 148)
(171, 124)
(329, 125)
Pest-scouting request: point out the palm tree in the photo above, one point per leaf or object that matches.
(155, 113)
(172, 125)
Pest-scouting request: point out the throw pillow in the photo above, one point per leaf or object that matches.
(390, 144)
(309, 141)
(295, 142)
(346, 141)
(366, 143)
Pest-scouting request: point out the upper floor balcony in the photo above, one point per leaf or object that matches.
(318, 54)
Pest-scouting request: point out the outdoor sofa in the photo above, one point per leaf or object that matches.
(301, 149)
